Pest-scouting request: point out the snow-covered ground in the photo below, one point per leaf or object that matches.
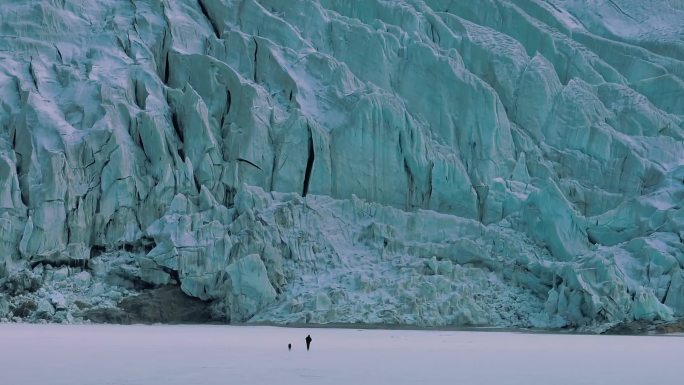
(207, 355)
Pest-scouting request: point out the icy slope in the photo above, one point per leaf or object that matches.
(513, 163)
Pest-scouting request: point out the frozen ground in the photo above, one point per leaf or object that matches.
(170, 355)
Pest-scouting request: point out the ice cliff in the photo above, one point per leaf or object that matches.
(421, 162)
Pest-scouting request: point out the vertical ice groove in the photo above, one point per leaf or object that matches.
(210, 20)
(310, 159)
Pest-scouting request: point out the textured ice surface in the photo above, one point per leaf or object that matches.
(213, 355)
(511, 163)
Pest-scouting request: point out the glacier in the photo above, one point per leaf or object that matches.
(512, 163)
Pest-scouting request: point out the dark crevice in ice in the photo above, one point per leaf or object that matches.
(249, 162)
(32, 72)
(210, 20)
(177, 126)
(428, 196)
(229, 101)
(309, 165)
(73, 263)
(256, 52)
(139, 95)
(179, 131)
(167, 70)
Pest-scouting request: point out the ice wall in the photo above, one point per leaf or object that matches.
(513, 163)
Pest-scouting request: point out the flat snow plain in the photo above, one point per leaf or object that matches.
(208, 355)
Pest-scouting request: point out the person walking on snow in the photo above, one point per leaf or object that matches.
(308, 341)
